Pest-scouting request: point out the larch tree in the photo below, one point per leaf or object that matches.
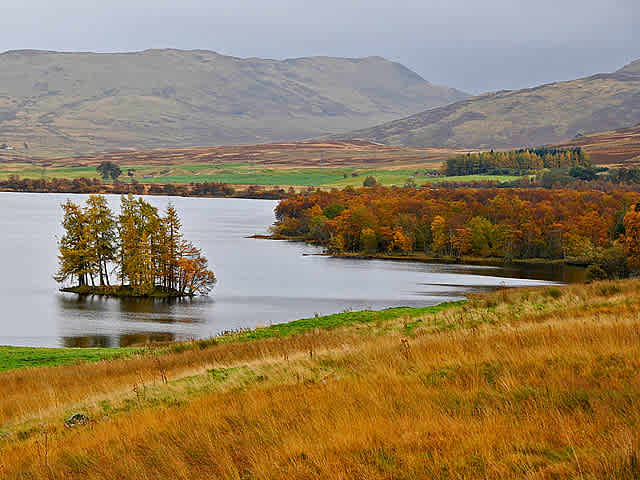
(173, 239)
(101, 227)
(75, 257)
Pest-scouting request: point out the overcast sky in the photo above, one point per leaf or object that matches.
(472, 45)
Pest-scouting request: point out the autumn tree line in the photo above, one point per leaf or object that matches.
(94, 185)
(145, 250)
(523, 160)
(587, 227)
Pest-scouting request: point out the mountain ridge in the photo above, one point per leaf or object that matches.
(537, 115)
(80, 102)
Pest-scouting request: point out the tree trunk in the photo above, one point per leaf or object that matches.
(101, 273)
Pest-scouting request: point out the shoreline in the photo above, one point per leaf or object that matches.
(262, 195)
(124, 292)
(14, 357)
(423, 258)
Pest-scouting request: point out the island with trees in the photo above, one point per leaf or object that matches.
(144, 249)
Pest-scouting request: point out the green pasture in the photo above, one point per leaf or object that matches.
(238, 173)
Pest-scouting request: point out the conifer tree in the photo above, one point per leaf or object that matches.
(173, 237)
(75, 256)
(102, 235)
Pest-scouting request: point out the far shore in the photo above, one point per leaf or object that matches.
(424, 258)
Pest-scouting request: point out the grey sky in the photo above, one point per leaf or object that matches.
(472, 45)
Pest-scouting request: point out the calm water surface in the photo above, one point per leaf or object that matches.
(259, 281)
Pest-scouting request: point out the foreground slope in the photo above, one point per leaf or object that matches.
(510, 119)
(532, 383)
(87, 102)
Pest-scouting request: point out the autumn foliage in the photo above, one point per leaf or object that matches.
(488, 222)
(632, 236)
(145, 249)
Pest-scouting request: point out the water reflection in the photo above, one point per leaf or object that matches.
(142, 309)
(112, 341)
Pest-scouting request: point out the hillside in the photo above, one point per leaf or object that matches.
(276, 155)
(617, 147)
(535, 383)
(533, 116)
(87, 102)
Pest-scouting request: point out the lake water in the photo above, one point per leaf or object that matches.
(259, 281)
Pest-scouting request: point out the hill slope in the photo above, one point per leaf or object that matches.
(617, 147)
(87, 102)
(533, 116)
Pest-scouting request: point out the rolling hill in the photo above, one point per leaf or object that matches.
(533, 116)
(617, 147)
(75, 103)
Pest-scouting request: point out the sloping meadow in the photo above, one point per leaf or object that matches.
(530, 383)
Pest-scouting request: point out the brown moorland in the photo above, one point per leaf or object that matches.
(531, 383)
(272, 155)
(614, 148)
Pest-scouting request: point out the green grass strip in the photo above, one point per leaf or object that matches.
(337, 320)
(12, 358)
(21, 357)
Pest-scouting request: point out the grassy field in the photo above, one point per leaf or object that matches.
(239, 174)
(318, 164)
(529, 383)
(22, 357)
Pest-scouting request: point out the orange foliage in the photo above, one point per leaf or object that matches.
(632, 236)
(518, 223)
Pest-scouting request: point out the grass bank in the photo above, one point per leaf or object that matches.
(22, 357)
(535, 383)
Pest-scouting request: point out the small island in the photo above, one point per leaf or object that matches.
(145, 250)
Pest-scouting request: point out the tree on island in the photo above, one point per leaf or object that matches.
(109, 170)
(145, 249)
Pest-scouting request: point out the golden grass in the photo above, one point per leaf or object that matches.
(532, 383)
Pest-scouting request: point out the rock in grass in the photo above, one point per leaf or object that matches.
(76, 419)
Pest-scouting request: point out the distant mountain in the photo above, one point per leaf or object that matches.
(87, 102)
(533, 116)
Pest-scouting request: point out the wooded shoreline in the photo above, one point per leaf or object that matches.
(423, 258)
(95, 186)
